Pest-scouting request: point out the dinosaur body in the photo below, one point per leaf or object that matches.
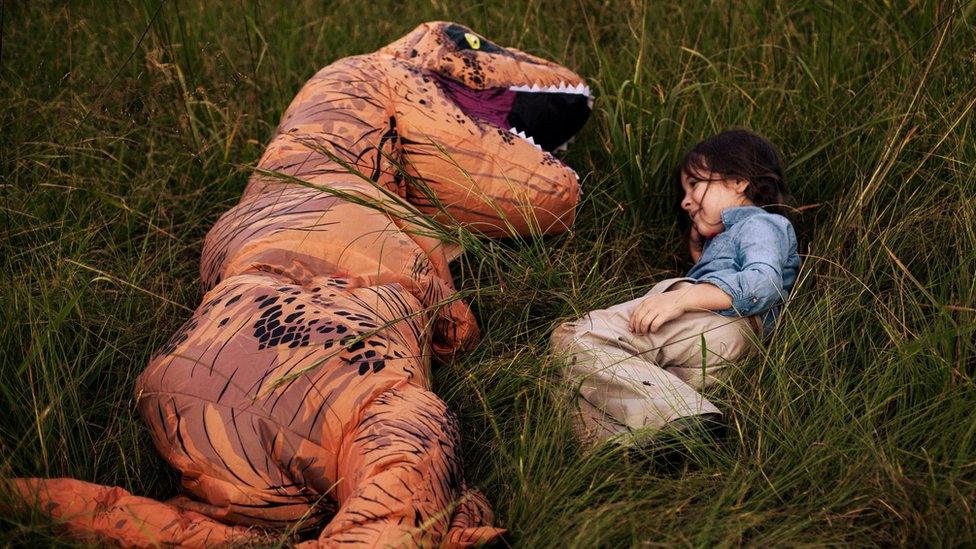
(299, 390)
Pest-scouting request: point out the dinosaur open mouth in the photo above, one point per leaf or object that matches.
(545, 116)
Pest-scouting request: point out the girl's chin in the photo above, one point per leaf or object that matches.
(708, 232)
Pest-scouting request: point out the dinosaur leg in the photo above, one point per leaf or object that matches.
(401, 478)
(472, 520)
(90, 512)
(238, 466)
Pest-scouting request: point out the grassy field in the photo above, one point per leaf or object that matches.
(129, 127)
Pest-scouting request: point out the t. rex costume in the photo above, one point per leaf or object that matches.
(303, 377)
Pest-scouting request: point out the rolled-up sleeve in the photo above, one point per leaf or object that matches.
(761, 253)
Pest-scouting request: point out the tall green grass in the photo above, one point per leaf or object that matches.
(128, 128)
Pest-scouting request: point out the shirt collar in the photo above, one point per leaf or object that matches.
(731, 216)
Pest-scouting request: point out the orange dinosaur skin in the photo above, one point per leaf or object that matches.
(299, 391)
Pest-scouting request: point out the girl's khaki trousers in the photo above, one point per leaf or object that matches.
(625, 386)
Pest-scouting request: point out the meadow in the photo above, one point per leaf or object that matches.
(127, 128)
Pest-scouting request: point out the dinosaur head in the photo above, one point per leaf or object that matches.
(537, 100)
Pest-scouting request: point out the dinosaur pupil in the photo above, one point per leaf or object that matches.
(464, 39)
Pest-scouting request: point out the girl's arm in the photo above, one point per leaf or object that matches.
(703, 296)
(763, 250)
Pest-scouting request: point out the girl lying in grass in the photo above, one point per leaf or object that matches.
(637, 367)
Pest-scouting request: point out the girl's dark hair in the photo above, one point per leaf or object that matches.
(736, 154)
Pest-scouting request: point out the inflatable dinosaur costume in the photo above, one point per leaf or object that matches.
(302, 380)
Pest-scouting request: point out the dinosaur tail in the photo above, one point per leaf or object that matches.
(90, 512)
(93, 513)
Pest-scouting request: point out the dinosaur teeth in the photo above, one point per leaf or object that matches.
(562, 87)
(565, 146)
(525, 137)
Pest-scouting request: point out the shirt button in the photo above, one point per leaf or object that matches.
(755, 299)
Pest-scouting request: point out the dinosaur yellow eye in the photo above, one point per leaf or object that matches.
(473, 41)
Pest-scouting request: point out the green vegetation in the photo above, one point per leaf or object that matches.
(128, 128)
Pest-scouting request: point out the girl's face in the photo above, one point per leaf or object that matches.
(707, 194)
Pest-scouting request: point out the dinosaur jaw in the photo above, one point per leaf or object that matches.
(545, 116)
(549, 116)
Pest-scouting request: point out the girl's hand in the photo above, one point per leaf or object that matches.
(658, 309)
(695, 244)
(655, 310)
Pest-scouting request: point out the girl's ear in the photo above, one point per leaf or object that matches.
(740, 185)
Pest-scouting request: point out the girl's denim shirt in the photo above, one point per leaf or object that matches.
(754, 260)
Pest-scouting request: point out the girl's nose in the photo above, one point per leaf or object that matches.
(686, 202)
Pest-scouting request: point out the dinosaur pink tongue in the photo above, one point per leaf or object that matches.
(491, 105)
